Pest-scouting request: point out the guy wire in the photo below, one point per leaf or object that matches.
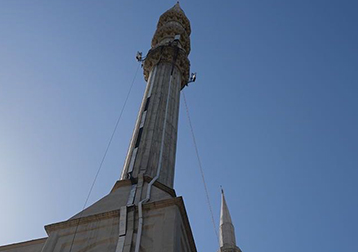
(200, 167)
(104, 157)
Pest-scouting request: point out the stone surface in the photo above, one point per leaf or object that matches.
(166, 225)
(118, 198)
(29, 246)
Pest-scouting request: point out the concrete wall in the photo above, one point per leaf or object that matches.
(165, 226)
(29, 246)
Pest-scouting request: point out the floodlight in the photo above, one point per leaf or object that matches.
(139, 56)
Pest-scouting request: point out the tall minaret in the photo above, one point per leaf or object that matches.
(166, 70)
(142, 212)
(227, 231)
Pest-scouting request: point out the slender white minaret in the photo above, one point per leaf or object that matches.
(166, 70)
(227, 231)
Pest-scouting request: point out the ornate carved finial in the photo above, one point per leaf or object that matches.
(171, 23)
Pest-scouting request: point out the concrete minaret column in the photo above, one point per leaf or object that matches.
(227, 231)
(166, 70)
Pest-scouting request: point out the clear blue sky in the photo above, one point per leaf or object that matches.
(274, 109)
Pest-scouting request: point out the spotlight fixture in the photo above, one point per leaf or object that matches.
(139, 56)
(192, 77)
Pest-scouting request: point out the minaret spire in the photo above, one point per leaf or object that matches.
(227, 231)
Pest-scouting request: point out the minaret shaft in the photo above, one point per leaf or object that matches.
(147, 141)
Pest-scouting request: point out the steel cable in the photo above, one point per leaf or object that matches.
(200, 167)
(104, 157)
